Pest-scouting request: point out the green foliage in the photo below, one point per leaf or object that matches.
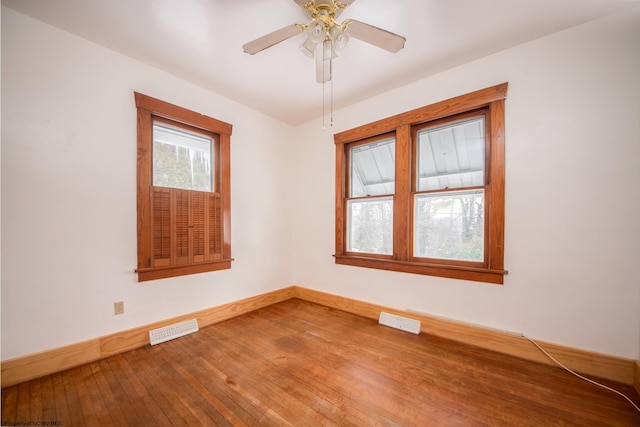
(180, 167)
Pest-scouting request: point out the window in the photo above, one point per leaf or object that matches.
(370, 202)
(183, 191)
(423, 192)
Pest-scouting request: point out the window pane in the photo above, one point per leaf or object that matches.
(451, 156)
(372, 168)
(370, 225)
(181, 159)
(450, 226)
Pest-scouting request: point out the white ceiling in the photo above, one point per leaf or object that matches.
(201, 41)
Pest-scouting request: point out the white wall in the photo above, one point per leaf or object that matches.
(572, 193)
(69, 199)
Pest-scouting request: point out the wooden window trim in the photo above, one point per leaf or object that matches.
(492, 270)
(149, 109)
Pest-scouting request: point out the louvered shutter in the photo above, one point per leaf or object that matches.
(215, 227)
(161, 226)
(196, 234)
(182, 243)
(199, 226)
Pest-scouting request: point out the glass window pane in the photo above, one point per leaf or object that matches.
(451, 156)
(370, 225)
(449, 226)
(181, 159)
(372, 168)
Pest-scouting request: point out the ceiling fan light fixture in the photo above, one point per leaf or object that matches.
(308, 47)
(340, 37)
(317, 31)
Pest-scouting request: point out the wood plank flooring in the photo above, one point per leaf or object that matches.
(302, 364)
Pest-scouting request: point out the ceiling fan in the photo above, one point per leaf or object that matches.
(326, 35)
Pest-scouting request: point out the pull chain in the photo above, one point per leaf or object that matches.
(331, 68)
(323, 85)
(324, 90)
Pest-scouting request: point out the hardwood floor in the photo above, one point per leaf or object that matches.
(298, 363)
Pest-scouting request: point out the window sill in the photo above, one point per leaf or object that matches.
(153, 273)
(450, 271)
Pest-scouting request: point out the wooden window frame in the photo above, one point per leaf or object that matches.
(403, 125)
(148, 110)
(348, 190)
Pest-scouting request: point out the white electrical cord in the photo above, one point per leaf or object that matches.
(580, 376)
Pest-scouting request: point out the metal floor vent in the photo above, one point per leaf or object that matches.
(160, 335)
(399, 322)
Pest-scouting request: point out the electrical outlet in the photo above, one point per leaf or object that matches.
(118, 307)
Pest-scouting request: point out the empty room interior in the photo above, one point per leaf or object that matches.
(289, 212)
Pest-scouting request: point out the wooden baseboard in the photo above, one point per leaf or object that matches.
(32, 366)
(35, 365)
(594, 364)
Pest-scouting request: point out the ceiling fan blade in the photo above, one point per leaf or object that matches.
(376, 36)
(268, 40)
(323, 69)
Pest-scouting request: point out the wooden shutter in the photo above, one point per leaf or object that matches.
(196, 233)
(182, 224)
(215, 227)
(161, 226)
(199, 226)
